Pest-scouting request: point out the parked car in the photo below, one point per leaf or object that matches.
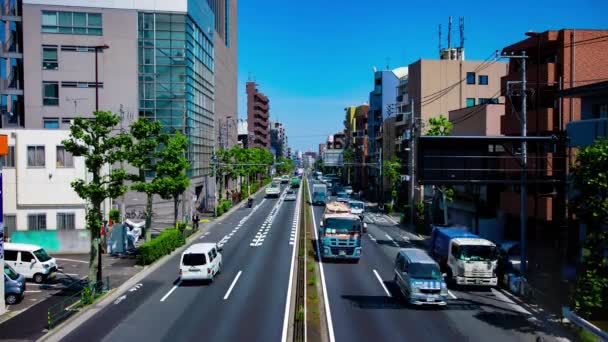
(14, 286)
(201, 261)
(291, 195)
(32, 261)
(419, 278)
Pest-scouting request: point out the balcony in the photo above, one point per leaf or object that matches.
(10, 88)
(10, 48)
(585, 132)
(402, 118)
(8, 12)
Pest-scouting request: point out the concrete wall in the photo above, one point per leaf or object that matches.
(56, 241)
(46, 189)
(477, 120)
(117, 66)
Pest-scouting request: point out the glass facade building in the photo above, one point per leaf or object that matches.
(176, 78)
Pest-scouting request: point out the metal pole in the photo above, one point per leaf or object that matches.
(412, 161)
(524, 175)
(99, 268)
(96, 81)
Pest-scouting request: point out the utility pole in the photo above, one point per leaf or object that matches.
(524, 166)
(412, 162)
(123, 205)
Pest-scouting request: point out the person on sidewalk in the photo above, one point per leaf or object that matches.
(195, 221)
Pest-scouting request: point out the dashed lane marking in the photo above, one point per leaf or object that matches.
(227, 237)
(382, 283)
(372, 238)
(260, 236)
(238, 275)
(392, 240)
(452, 295)
(171, 291)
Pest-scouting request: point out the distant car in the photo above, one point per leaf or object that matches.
(348, 189)
(277, 180)
(201, 261)
(14, 286)
(342, 200)
(356, 207)
(291, 195)
(273, 190)
(285, 179)
(341, 194)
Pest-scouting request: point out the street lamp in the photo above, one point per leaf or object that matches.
(97, 49)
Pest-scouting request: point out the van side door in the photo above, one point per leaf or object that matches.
(29, 267)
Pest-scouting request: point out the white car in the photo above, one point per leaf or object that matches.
(273, 190)
(201, 261)
(356, 207)
(31, 261)
(291, 195)
(348, 189)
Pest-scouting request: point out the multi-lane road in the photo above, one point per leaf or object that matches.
(365, 305)
(248, 300)
(245, 302)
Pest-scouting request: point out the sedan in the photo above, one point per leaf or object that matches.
(291, 195)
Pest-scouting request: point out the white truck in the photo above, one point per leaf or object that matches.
(465, 257)
(273, 190)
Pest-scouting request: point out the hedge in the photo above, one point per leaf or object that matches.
(163, 244)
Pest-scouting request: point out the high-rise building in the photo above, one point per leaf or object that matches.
(258, 116)
(278, 139)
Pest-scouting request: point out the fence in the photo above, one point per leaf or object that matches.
(78, 295)
(581, 322)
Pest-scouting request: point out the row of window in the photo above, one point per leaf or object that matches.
(65, 221)
(482, 79)
(71, 23)
(471, 101)
(50, 90)
(36, 157)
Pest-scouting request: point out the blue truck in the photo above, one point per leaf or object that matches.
(466, 258)
(340, 233)
(319, 194)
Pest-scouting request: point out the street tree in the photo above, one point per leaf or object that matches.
(171, 168)
(348, 157)
(441, 126)
(94, 140)
(391, 169)
(591, 207)
(225, 160)
(146, 134)
(284, 165)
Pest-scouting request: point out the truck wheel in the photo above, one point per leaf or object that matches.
(39, 278)
(11, 299)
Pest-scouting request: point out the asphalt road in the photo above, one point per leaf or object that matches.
(246, 301)
(365, 305)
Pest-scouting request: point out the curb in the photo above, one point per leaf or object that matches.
(73, 322)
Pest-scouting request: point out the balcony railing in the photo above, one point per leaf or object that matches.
(10, 88)
(9, 11)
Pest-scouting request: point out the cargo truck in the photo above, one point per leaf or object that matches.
(295, 182)
(319, 194)
(466, 258)
(340, 233)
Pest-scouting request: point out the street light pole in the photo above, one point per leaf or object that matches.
(97, 48)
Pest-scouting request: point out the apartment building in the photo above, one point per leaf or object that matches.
(278, 139)
(258, 116)
(360, 148)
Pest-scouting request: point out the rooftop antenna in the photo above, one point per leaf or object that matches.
(439, 40)
(449, 32)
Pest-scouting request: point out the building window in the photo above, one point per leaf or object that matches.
(35, 156)
(488, 100)
(483, 79)
(470, 78)
(50, 123)
(9, 159)
(10, 225)
(470, 101)
(66, 221)
(50, 93)
(49, 57)
(64, 158)
(36, 221)
(71, 23)
(74, 84)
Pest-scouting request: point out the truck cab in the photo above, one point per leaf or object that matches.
(340, 233)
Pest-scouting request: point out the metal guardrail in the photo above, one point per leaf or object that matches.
(581, 322)
(76, 300)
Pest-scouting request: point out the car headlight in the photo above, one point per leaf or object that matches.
(45, 266)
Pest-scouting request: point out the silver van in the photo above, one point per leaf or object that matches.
(419, 278)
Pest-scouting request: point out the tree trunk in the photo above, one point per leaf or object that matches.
(94, 225)
(149, 217)
(175, 210)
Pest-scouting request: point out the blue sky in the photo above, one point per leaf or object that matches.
(313, 58)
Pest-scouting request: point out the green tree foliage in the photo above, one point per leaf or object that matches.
(391, 169)
(440, 126)
(591, 206)
(348, 157)
(94, 140)
(142, 155)
(284, 165)
(171, 167)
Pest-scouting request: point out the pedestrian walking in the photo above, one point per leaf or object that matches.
(195, 221)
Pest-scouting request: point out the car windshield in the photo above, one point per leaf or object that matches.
(478, 253)
(356, 205)
(424, 271)
(10, 272)
(290, 192)
(342, 226)
(41, 255)
(194, 259)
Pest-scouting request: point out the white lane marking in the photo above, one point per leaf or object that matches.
(171, 291)
(372, 238)
(452, 295)
(32, 291)
(259, 238)
(120, 299)
(499, 295)
(382, 283)
(72, 260)
(330, 325)
(393, 241)
(290, 284)
(238, 275)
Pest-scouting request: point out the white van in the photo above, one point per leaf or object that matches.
(201, 261)
(31, 261)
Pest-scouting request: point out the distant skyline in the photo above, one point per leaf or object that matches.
(313, 59)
